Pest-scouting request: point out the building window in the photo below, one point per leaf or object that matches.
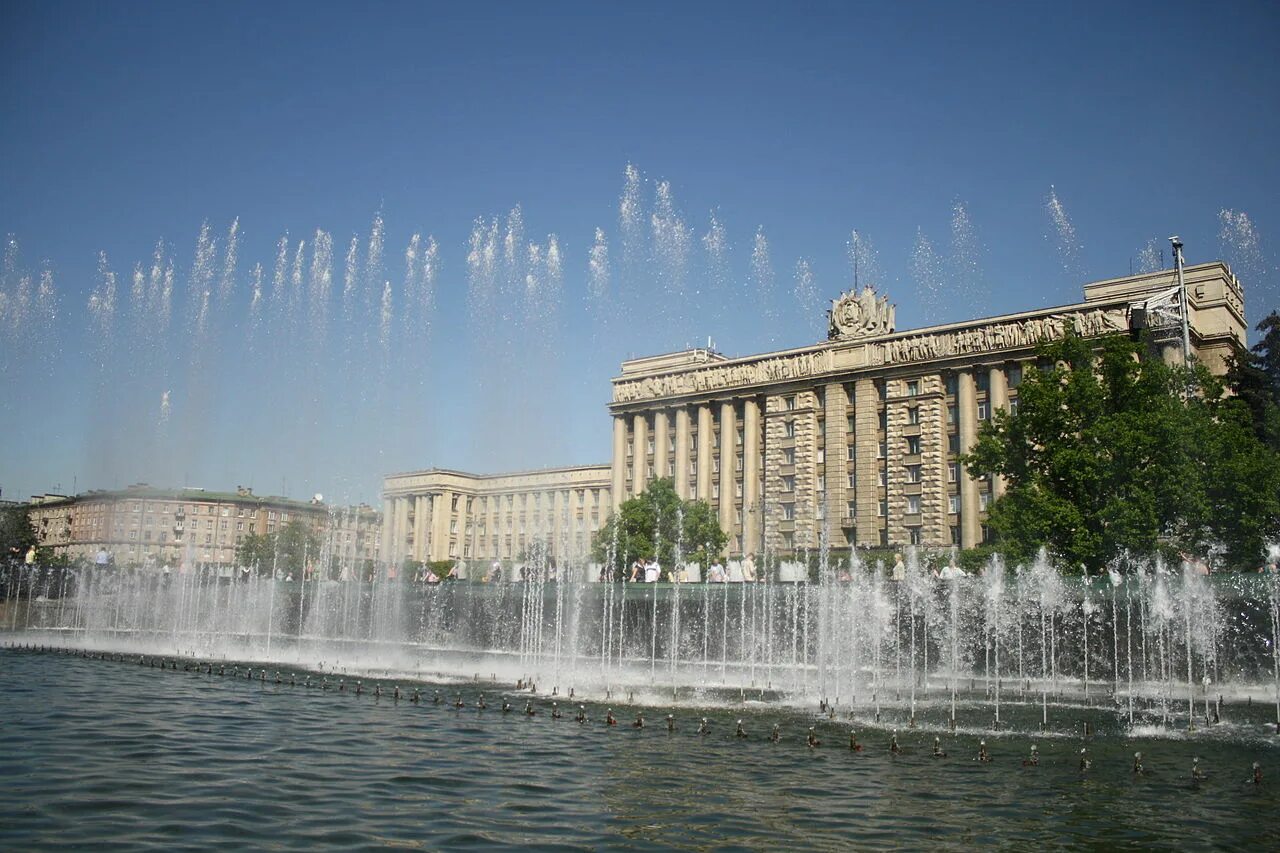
(951, 415)
(884, 478)
(883, 509)
(984, 500)
(880, 450)
(788, 484)
(788, 540)
(788, 456)
(788, 512)
(955, 535)
(983, 381)
(851, 424)
(790, 403)
(913, 445)
(913, 388)
(715, 490)
(740, 435)
(884, 420)
(1015, 375)
(789, 429)
(913, 533)
(852, 453)
(982, 411)
(822, 455)
(913, 504)
(953, 472)
(851, 509)
(853, 481)
(737, 515)
(738, 488)
(953, 504)
(913, 415)
(1013, 406)
(913, 473)
(715, 465)
(953, 443)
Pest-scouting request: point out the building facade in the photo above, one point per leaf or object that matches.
(451, 515)
(148, 527)
(853, 441)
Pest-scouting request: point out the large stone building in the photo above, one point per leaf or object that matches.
(854, 439)
(149, 527)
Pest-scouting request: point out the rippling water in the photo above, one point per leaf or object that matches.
(96, 753)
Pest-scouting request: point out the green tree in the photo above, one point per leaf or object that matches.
(654, 523)
(288, 550)
(1110, 452)
(1253, 375)
(17, 533)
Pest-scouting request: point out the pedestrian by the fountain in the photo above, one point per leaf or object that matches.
(637, 571)
(715, 574)
(899, 568)
(652, 571)
(495, 573)
(749, 569)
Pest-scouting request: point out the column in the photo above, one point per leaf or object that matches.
(967, 404)
(835, 441)
(420, 513)
(998, 398)
(704, 453)
(639, 453)
(618, 464)
(441, 512)
(728, 450)
(402, 528)
(660, 440)
(388, 524)
(867, 461)
(682, 453)
(751, 497)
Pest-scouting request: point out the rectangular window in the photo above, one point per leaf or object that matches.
(880, 450)
(790, 403)
(913, 415)
(1013, 405)
(788, 540)
(788, 512)
(913, 473)
(983, 381)
(883, 509)
(982, 411)
(953, 504)
(953, 384)
(822, 455)
(984, 500)
(715, 491)
(884, 478)
(788, 456)
(913, 504)
(853, 481)
(951, 415)
(788, 484)
(851, 508)
(913, 445)
(789, 429)
(953, 472)
(953, 443)
(852, 454)
(884, 420)
(955, 536)
(913, 388)
(1015, 375)
(737, 488)
(914, 533)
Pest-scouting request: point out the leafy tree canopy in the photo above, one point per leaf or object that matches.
(287, 551)
(1111, 452)
(17, 533)
(655, 523)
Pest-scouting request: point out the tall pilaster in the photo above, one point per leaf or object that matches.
(661, 444)
(751, 503)
(618, 464)
(420, 513)
(835, 442)
(388, 528)
(998, 398)
(867, 461)
(704, 452)
(967, 403)
(639, 453)
(682, 453)
(401, 531)
(441, 514)
(728, 457)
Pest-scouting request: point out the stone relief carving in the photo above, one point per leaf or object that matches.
(860, 314)
(991, 337)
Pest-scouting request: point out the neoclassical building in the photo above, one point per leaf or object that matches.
(853, 440)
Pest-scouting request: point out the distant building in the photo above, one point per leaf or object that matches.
(194, 528)
(853, 441)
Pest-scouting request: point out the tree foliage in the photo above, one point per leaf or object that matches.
(655, 523)
(1254, 377)
(17, 533)
(1109, 452)
(286, 551)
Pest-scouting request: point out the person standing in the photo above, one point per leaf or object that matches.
(716, 573)
(899, 568)
(652, 571)
(749, 569)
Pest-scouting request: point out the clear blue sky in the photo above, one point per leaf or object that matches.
(124, 124)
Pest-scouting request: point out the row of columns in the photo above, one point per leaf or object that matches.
(703, 460)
